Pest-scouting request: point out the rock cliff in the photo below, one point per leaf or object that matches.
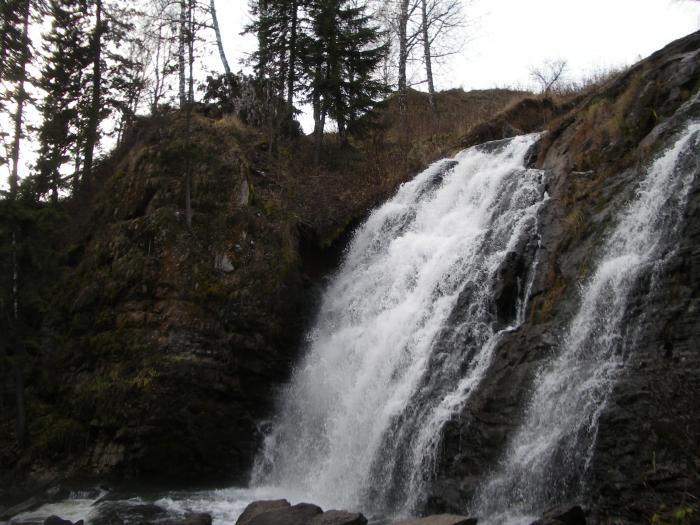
(645, 459)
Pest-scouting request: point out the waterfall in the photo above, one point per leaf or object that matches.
(404, 333)
(547, 458)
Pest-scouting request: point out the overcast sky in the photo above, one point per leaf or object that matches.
(505, 38)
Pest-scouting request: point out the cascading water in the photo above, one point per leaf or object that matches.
(405, 332)
(548, 457)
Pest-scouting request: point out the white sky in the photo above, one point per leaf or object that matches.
(505, 38)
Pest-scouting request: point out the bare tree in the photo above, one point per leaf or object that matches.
(403, 17)
(217, 32)
(549, 75)
(439, 19)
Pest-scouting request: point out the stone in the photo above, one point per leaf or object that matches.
(277, 513)
(339, 517)
(562, 515)
(122, 513)
(223, 264)
(55, 520)
(440, 519)
(259, 507)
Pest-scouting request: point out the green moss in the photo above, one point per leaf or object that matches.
(54, 436)
(677, 516)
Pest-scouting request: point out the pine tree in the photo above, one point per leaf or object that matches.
(16, 55)
(278, 24)
(347, 52)
(66, 57)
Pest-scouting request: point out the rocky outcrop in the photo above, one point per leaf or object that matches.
(440, 519)
(645, 458)
(281, 512)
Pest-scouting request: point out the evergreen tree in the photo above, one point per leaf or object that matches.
(62, 79)
(279, 26)
(346, 54)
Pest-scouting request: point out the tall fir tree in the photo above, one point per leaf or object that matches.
(346, 54)
(66, 57)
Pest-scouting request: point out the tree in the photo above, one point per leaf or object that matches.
(347, 52)
(95, 106)
(217, 32)
(549, 74)
(439, 18)
(277, 25)
(66, 56)
(16, 54)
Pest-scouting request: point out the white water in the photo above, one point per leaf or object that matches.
(548, 457)
(390, 359)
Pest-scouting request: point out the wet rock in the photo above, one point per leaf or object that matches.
(260, 507)
(440, 519)
(339, 517)
(122, 513)
(55, 520)
(194, 518)
(278, 512)
(563, 515)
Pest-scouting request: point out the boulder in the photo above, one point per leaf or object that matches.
(121, 513)
(194, 518)
(259, 507)
(563, 515)
(278, 513)
(55, 520)
(339, 517)
(440, 519)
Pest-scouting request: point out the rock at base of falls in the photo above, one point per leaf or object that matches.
(440, 519)
(55, 520)
(281, 512)
(122, 512)
(563, 515)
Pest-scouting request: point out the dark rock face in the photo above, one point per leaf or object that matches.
(55, 520)
(280, 512)
(563, 515)
(645, 455)
(440, 519)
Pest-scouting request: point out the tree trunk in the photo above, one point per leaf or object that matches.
(190, 102)
(220, 45)
(76, 173)
(181, 53)
(319, 114)
(95, 104)
(20, 99)
(291, 73)
(428, 58)
(403, 56)
(21, 416)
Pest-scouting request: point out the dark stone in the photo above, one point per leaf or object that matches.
(55, 520)
(563, 515)
(277, 513)
(259, 507)
(339, 517)
(440, 519)
(122, 512)
(194, 518)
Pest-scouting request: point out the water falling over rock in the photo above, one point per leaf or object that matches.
(405, 332)
(547, 459)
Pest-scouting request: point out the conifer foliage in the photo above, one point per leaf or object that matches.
(325, 52)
